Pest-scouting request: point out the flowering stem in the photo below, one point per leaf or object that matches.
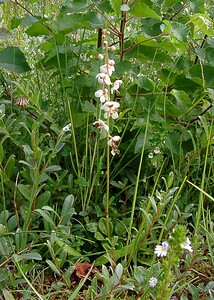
(107, 181)
(108, 147)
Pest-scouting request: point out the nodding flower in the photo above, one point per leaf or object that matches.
(116, 86)
(113, 144)
(102, 125)
(103, 78)
(111, 109)
(102, 94)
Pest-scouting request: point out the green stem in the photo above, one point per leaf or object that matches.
(137, 183)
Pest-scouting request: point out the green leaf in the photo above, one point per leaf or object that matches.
(118, 274)
(172, 143)
(140, 9)
(204, 23)
(3, 275)
(76, 6)
(43, 199)
(102, 226)
(168, 4)
(81, 181)
(6, 293)
(28, 20)
(70, 250)
(103, 5)
(9, 167)
(38, 29)
(116, 5)
(53, 267)
(68, 23)
(180, 31)
(67, 205)
(28, 256)
(88, 107)
(145, 83)
(53, 168)
(46, 216)
(2, 1)
(24, 190)
(182, 100)
(59, 147)
(13, 59)
(122, 67)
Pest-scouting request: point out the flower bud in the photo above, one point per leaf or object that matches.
(113, 48)
(100, 56)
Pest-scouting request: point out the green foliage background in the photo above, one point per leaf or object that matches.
(53, 183)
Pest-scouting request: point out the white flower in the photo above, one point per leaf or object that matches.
(103, 69)
(113, 144)
(66, 128)
(150, 155)
(111, 62)
(98, 93)
(153, 281)
(161, 250)
(102, 94)
(103, 78)
(111, 109)
(116, 85)
(124, 7)
(187, 245)
(108, 69)
(102, 125)
(157, 150)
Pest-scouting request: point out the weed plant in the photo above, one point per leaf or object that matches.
(106, 149)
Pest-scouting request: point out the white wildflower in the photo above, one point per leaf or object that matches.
(150, 155)
(66, 128)
(157, 150)
(113, 144)
(153, 281)
(103, 78)
(102, 94)
(103, 69)
(161, 250)
(187, 245)
(111, 109)
(102, 125)
(116, 85)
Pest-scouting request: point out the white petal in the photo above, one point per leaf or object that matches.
(98, 93)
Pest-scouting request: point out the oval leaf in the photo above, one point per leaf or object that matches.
(13, 59)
